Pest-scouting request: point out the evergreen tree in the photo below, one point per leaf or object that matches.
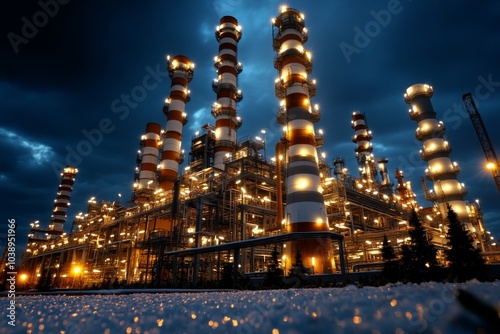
(298, 271)
(465, 260)
(274, 272)
(298, 267)
(418, 262)
(387, 250)
(390, 270)
(227, 281)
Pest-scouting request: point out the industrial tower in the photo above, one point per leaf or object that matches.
(484, 139)
(436, 151)
(180, 70)
(62, 203)
(362, 138)
(147, 160)
(228, 33)
(305, 205)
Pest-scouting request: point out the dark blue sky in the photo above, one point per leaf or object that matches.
(72, 74)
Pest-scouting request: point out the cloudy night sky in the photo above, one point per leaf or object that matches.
(88, 58)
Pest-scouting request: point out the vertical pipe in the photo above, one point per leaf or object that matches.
(228, 33)
(180, 70)
(61, 202)
(279, 194)
(305, 207)
(436, 151)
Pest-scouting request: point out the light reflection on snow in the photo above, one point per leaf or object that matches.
(424, 308)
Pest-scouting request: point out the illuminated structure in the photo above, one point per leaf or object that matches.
(386, 185)
(362, 138)
(61, 203)
(225, 209)
(226, 64)
(305, 206)
(436, 151)
(147, 158)
(180, 70)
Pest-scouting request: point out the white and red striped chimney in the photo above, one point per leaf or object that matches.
(305, 206)
(149, 155)
(362, 138)
(61, 203)
(180, 70)
(228, 33)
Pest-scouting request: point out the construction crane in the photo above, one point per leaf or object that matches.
(484, 139)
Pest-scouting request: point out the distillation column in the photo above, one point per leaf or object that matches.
(150, 144)
(436, 151)
(385, 186)
(61, 202)
(228, 33)
(305, 208)
(180, 70)
(362, 138)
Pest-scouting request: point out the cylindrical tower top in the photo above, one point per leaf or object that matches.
(228, 27)
(181, 63)
(417, 89)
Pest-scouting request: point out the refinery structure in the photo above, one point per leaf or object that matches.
(231, 204)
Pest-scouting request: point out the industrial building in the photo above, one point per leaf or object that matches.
(233, 204)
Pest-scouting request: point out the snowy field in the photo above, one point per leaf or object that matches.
(425, 308)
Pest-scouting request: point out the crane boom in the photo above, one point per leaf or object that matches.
(483, 137)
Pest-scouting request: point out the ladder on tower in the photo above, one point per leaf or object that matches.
(484, 139)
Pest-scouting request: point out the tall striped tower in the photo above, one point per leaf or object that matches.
(228, 33)
(61, 203)
(180, 70)
(305, 207)
(362, 138)
(436, 151)
(150, 144)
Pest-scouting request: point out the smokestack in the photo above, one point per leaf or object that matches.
(305, 207)
(61, 203)
(339, 169)
(385, 186)
(180, 70)
(228, 33)
(150, 144)
(362, 138)
(436, 151)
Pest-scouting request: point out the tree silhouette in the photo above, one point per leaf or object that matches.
(390, 270)
(418, 262)
(387, 250)
(465, 260)
(298, 267)
(274, 276)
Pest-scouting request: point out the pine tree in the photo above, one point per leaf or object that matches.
(418, 262)
(274, 272)
(390, 270)
(298, 272)
(298, 267)
(387, 250)
(465, 260)
(227, 280)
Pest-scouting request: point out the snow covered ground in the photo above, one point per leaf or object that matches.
(398, 308)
